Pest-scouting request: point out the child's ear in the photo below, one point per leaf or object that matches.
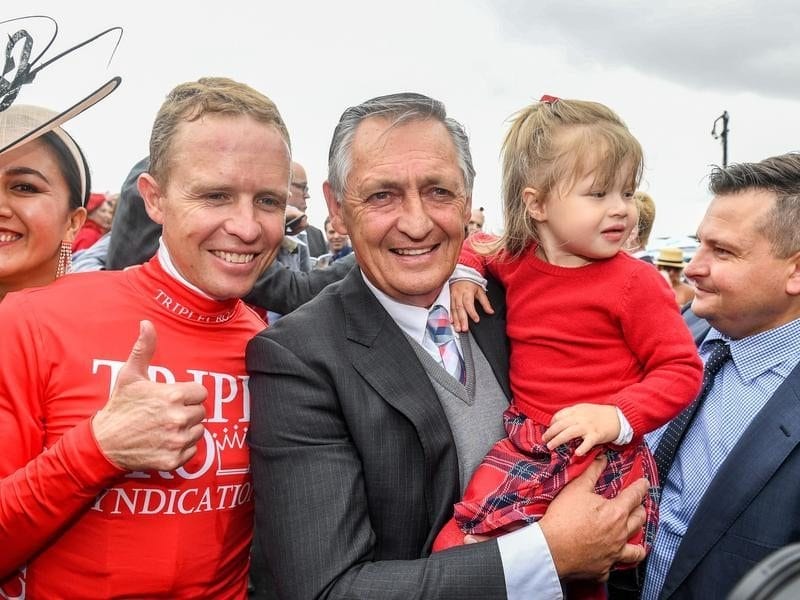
(534, 204)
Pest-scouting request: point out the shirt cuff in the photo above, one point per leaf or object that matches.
(528, 568)
(625, 430)
(465, 273)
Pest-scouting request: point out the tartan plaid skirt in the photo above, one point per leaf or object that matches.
(519, 477)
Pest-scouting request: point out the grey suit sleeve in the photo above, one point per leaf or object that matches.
(282, 290)
(312, 511)
(316, 241)
(134, 235)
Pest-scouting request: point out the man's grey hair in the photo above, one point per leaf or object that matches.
(398, 108)
(778, 174)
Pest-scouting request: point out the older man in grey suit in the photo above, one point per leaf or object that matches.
(362, 440)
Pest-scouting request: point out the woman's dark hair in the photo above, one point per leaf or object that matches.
(69, 169)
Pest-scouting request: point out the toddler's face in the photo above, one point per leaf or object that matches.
(586, 223)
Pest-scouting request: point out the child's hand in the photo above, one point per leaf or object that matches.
(595, 423)
(462, 303)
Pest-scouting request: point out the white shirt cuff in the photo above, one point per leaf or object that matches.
(464, 272)
(527, 565)
(625, 430)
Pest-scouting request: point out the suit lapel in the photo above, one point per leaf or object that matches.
(698, 327)
(383, 357)
(755, 458)
(490, 335)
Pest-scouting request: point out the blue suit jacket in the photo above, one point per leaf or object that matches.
(752, 506)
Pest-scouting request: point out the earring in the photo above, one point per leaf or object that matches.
(64, 259)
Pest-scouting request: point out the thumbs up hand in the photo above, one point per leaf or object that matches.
(147, 425)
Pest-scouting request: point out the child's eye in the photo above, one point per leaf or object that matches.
(597, 194)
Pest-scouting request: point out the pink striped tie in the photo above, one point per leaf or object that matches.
(442, 335)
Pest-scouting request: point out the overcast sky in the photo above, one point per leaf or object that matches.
(669, 71)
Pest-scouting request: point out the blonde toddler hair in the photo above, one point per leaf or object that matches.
(550, 145)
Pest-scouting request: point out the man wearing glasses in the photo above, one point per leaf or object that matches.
(311, 236)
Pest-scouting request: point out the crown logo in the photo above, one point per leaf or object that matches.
(233, 456)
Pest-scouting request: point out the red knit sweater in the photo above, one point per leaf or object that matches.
(605, 333)
(85, 528)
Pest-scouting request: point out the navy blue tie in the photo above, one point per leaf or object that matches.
(627, 584)
(665, 453)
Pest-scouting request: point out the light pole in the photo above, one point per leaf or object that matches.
(723, 135)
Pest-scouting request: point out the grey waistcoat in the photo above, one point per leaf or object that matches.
(474, 411)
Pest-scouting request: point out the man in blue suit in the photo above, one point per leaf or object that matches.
(731, 496)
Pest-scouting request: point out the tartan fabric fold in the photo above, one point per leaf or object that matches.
(519, 477)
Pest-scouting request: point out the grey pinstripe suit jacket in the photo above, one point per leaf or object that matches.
(354, 465)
